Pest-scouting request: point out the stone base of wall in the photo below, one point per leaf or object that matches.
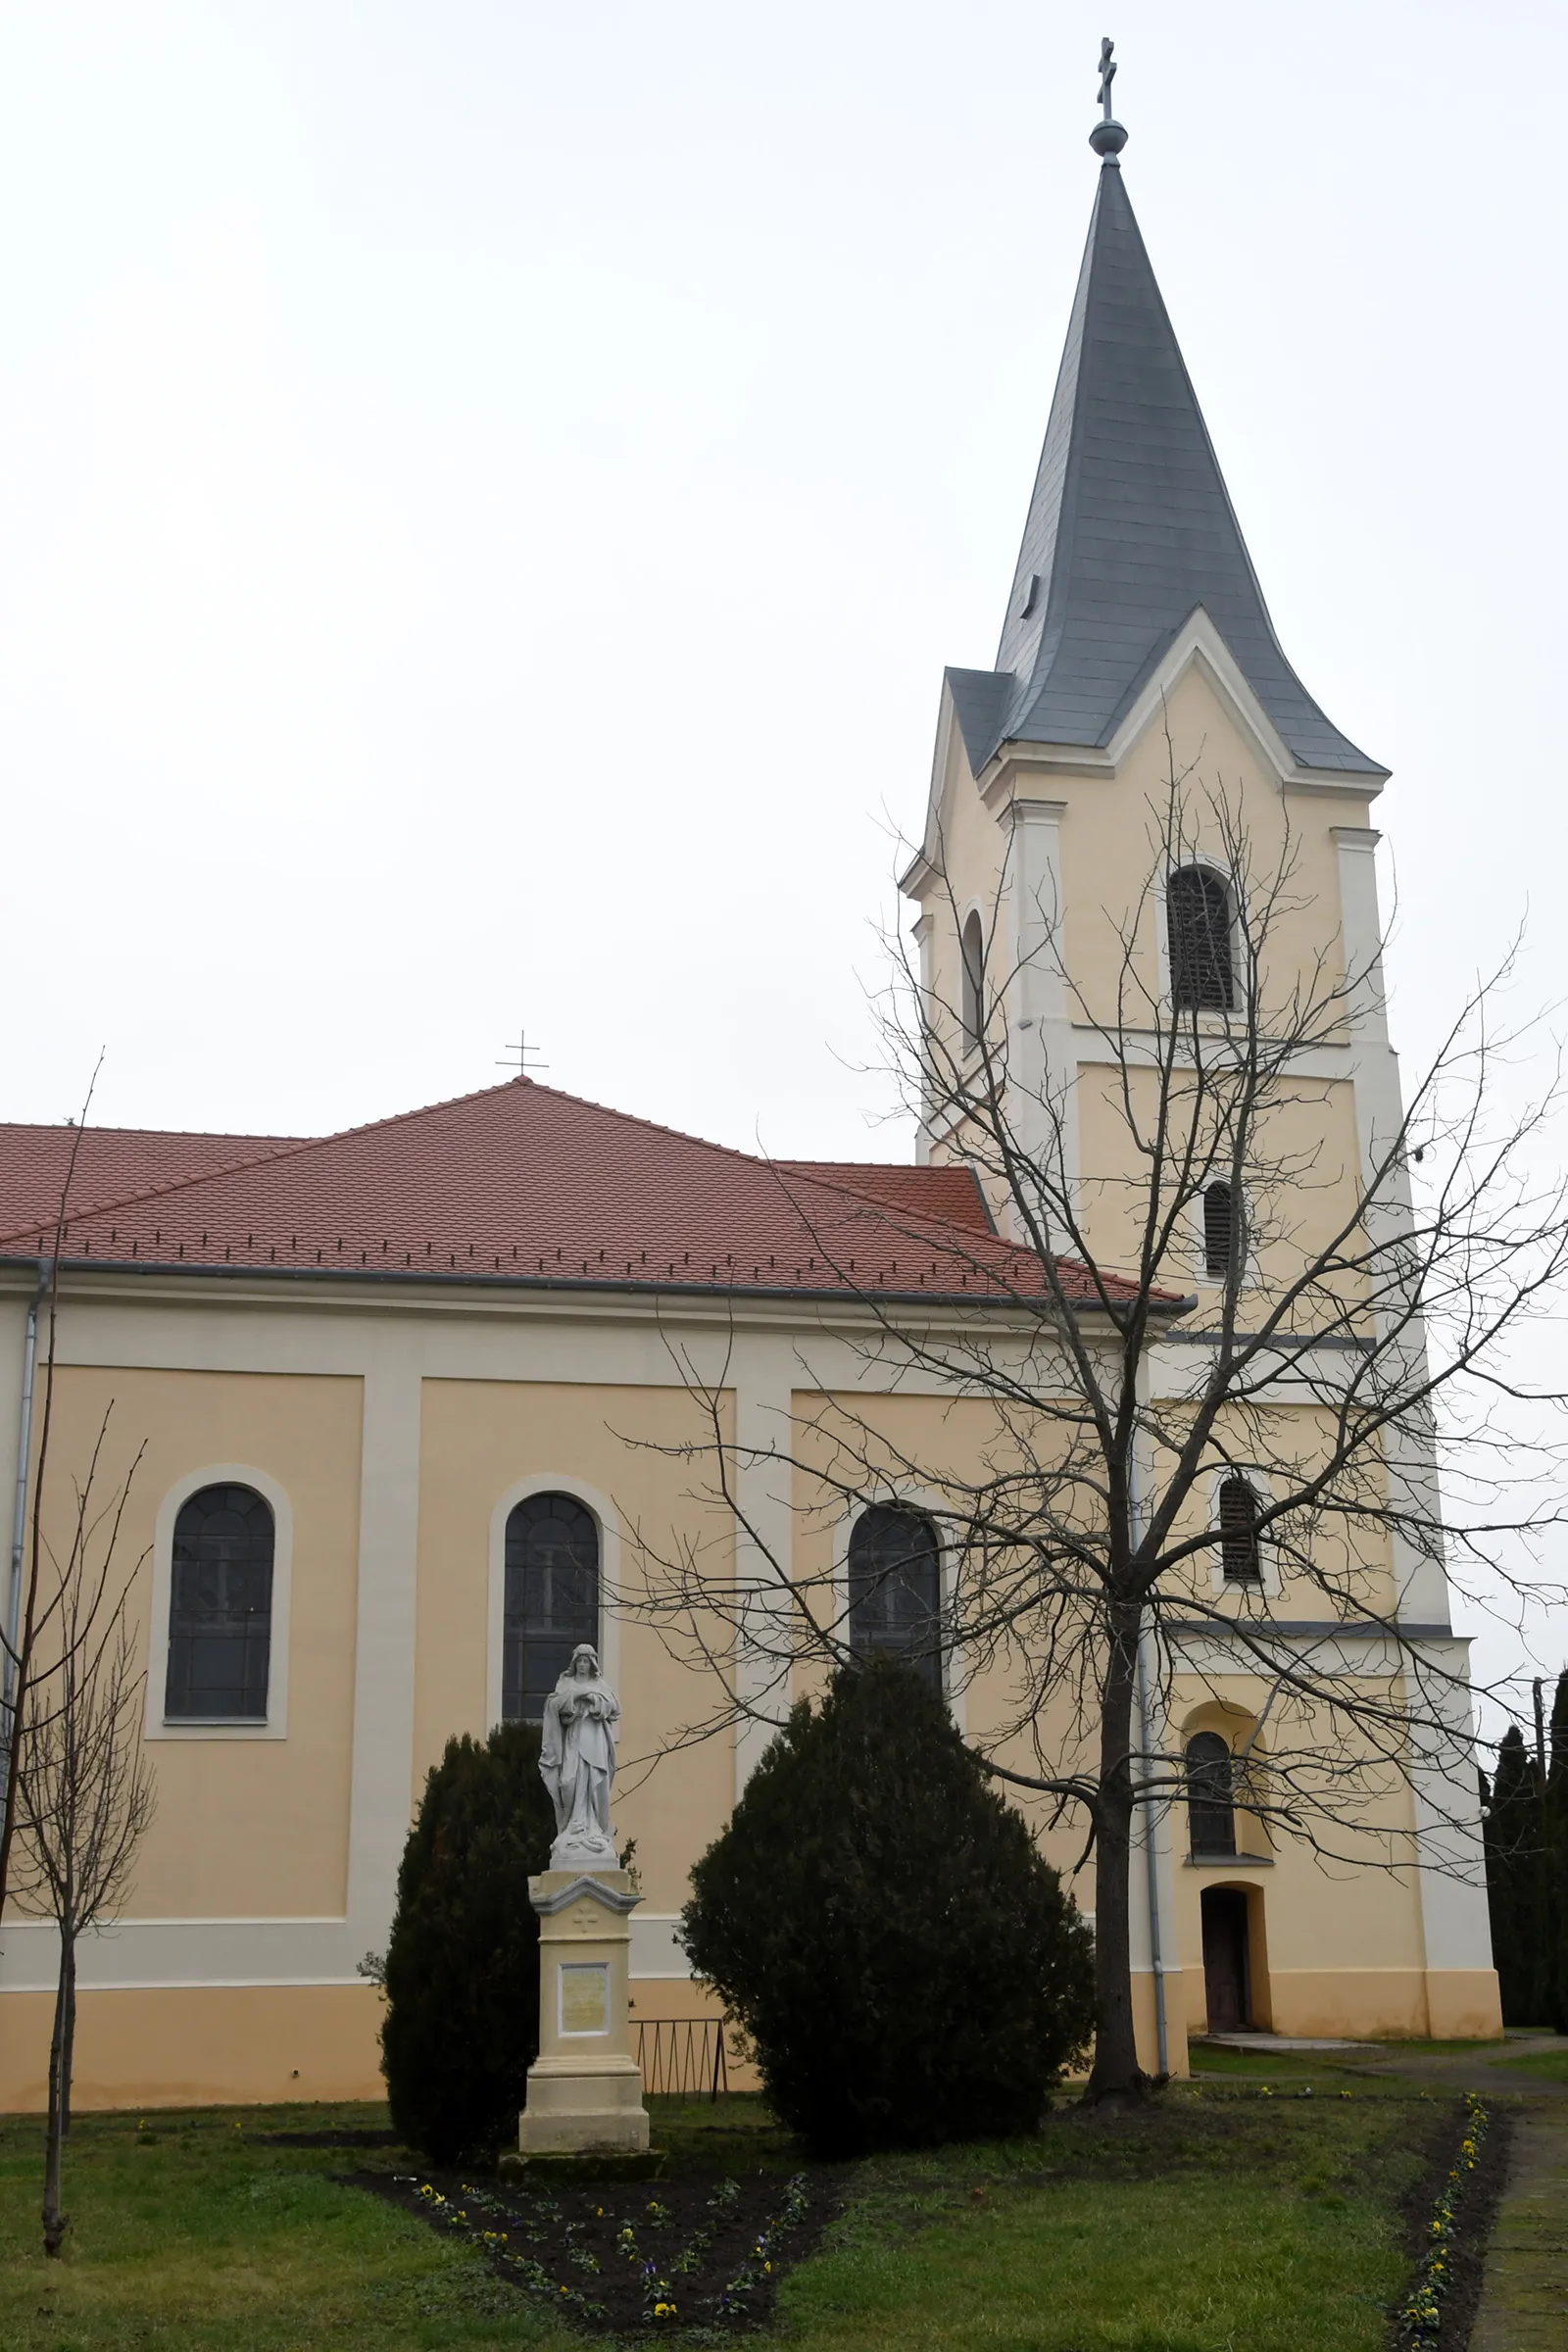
(203, 2045)
(240, 2045)
(1386, 2004)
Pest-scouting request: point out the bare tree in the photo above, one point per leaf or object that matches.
(1212, 1366)
(84, 1787)
(25, 1626)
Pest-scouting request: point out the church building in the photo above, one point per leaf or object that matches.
(409, 1411)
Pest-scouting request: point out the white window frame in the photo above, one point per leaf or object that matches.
(274, 1725)
(1268, 1584)
(955, 1681)
(552, 1482)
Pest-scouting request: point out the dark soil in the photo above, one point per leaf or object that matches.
(1473, 2217)
(712, 2250)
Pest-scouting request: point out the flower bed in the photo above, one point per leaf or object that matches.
(662, 2256)
(1420, 2318)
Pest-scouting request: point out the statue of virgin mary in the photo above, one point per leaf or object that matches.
(577, 1763)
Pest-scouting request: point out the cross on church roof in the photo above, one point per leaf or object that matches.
(522, 1050)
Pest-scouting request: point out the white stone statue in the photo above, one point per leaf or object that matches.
(577, 1763)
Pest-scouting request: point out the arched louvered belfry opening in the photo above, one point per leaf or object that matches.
(1211, 1795)
(220, 1607)
(1240, 1552)
(895, 1570)
(1198, 926)
(550, 1599)
(972, 979)
(1222, 1230)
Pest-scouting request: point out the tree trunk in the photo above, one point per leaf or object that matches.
(1116, 2073)
(60, 2053)
(67, 2044)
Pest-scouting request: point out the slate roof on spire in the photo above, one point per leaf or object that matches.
(1129, 529)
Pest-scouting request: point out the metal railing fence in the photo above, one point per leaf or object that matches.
(682, 2057)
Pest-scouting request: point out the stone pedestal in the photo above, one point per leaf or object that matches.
(585, 2087)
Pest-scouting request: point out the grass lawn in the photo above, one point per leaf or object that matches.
(1549, 2066)
(1222, 2219)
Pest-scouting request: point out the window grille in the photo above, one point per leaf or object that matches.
(1239, 1548)
(220, 1608)
(895, 1589)
(972, 956)
(1211, 1795)
(1221, 1231)
(551, 1602)
(1197, 922)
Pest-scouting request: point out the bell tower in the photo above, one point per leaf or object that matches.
(1134, 609)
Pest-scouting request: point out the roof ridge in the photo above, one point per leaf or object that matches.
(296, 1147)
(156, 1191)
(204, 1134)
(292, 1149)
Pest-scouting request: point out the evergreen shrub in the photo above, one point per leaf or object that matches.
(461, 2026)
(906, 1967)
(1516, 1891)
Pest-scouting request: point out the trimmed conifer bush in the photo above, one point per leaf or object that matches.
(908, 1968)
(1516, 1853)
(461, 2026)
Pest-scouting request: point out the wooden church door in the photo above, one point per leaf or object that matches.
(1225, 1958)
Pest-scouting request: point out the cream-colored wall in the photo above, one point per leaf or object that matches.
(195, 2045)
(478, 1438)
(242, 1894)
(1113, 847)
(1112, 852)
(1355, 1918)
(1306, 1162)
(243, 1828)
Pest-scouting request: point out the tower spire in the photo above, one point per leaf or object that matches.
(1129, 527)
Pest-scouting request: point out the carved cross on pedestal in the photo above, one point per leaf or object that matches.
(1107, 73)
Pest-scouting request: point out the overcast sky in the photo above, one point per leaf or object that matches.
(487, 491)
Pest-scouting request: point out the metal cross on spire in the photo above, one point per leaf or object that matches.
(1108, 138)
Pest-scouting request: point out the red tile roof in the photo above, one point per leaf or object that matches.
(111, 1164)
(950, 1193)
(523, 1183)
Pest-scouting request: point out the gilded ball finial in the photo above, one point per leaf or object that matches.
(1108, 138)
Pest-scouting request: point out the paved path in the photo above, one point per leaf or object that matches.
(1524, 2295)
(1524, 2290)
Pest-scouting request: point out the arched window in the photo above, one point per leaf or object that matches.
(551, 1602)
(896, 1587)
(1239, 1551)
(972, 959)
(1222, 1231)
(220, 1608)
(1197, 924)
(1211, 1795)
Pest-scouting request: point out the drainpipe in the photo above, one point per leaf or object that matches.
(1156, 1952)
(18, 1522)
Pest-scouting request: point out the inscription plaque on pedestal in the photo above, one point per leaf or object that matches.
(585, 1997)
